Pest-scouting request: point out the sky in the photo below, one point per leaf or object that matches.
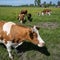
(23, 2)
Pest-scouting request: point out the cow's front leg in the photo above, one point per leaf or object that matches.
(8, 46)
(42, 14)
(49, 13)
(21, 21)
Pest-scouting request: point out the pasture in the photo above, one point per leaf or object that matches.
(49, 31)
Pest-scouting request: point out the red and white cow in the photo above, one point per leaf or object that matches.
(46, 11)
(12, 34)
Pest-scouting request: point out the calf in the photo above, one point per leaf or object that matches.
(46, 11)
(21, 18)
(12, 34)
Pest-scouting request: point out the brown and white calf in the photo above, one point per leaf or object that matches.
(12, 34)
(46, 11)
(21, 16)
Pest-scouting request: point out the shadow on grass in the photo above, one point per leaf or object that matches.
(29, 46)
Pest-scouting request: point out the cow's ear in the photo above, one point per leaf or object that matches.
(36, 27)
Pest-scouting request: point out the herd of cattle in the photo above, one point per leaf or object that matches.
(12, 34)
(24, 13)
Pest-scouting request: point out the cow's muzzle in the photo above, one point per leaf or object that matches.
(41, 44)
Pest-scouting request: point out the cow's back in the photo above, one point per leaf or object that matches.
(1, 23)
(19, 32)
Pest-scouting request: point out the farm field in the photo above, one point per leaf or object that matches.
(49, 31)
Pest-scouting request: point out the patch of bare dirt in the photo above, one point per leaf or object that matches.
(49, 25)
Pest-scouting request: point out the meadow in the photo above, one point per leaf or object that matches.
(49, 31)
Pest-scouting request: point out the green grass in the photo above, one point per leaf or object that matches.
(51, 35)
(11, 13)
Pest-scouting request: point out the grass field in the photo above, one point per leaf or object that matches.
(49, 31)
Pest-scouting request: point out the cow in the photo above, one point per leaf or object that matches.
(12, 34)
(21, 16)
(46, 11)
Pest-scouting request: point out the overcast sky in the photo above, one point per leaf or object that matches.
(23, 2)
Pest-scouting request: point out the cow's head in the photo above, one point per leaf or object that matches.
(24, 11)
(35, 38)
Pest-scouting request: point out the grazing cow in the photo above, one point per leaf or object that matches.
(12, 34)
(46, 11)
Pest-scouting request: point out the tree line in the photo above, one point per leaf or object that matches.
(36, 3)
(44, 4)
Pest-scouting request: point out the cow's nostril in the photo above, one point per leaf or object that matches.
(41, 44)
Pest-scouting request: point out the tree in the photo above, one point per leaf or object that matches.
(44, 4)
(37, 2)
(50, 3)
(58, 3)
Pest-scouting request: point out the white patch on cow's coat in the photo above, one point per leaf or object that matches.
(21, 21)
(41, 42)
(7, 27)
(42, 14)
(49, 13)
(2, 41)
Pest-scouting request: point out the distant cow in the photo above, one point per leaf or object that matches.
(12, 34)
(21, 16)
(46, 11)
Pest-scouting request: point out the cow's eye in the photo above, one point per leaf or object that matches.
(31, 35)
(35, 35)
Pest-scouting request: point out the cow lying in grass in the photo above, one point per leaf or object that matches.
(46, 11)
(21, 16)
(12, 34)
